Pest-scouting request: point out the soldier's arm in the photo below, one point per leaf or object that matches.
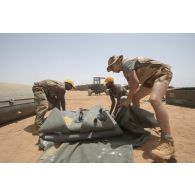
(61, 98)
(112, 103)
(118, 95)
(117, 106)
(63, 102)
(118, 101)
(133, 83)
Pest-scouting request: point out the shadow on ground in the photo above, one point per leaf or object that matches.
(30, 128)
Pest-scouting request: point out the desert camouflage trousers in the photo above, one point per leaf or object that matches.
(43, 104)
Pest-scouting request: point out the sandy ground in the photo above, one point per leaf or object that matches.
(17, 144)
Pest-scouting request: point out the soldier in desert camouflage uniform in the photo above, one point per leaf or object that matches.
(49, 93)
(154, 78)
(115, 91)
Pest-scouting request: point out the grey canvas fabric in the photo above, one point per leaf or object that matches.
(134, 119)
(118, 149)
(63, 126)
(100, 151)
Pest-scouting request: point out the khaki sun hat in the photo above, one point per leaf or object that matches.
(114, 60)
(71, 82)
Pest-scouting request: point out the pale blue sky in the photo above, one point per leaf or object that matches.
(25, 58)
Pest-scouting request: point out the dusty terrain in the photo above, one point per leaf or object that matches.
(17, 144)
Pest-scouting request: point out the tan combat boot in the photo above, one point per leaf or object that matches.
(165, 150)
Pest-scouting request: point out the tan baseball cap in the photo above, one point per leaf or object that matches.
(71, 82)
(114, 60)
(109, 80)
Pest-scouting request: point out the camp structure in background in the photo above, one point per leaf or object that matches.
(181, 97)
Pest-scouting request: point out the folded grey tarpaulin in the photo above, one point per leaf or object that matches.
(100, 151)
(134, 120)
(113, 149)
(63, 126)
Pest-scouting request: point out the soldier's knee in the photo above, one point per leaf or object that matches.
(155, 102)
(42, 108)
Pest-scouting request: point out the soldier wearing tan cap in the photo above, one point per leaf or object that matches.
(49, 93)
(154, 77)
(116, 91)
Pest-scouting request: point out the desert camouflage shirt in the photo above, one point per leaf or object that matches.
(144, 67)
(51, 87)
